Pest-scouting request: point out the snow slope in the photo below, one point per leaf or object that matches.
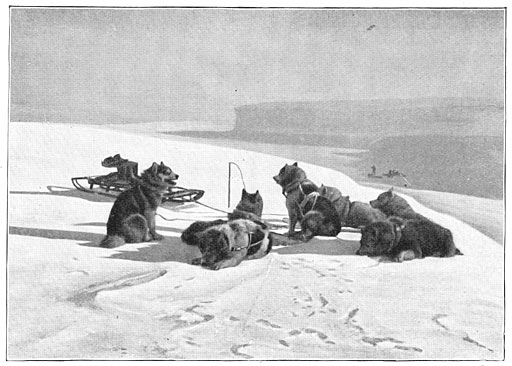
(68, 298)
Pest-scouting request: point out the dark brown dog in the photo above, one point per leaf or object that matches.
(406, 239)
(319, 216)
(393, 205)
(295, 186)
(249, 207)
(356, 214)
(132, 217)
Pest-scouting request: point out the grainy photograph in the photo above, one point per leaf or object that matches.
(230, 183)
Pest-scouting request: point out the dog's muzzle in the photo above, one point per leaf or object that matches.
(170, 179)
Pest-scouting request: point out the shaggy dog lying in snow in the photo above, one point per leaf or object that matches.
(394, 205)
(355, 214)
(226, 244)
(406, 239)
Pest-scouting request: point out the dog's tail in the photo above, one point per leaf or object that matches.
(112, 241)
(458, 252)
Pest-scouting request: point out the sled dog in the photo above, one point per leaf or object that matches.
(406, 239)
(355, 214)
(393, 205)
(295, 186)
(132, 217)
(228, 244)
(249, 207)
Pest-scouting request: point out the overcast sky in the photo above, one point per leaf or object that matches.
(178, 64)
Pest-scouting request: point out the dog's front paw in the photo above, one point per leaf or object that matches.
(405, 255)
(156, 236)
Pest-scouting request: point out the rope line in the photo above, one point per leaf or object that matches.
(241, 174)
(210, 207)
(166, 219)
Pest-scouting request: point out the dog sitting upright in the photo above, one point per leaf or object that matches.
(226, 244)
(406, 239)
(249, 207)
(394, 205)
(132, 217)
(295, 186)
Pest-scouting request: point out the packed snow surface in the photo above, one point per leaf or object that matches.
(70, 299)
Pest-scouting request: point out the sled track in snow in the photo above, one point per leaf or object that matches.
(87, 296)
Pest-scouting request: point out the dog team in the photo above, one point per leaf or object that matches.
(389, 226)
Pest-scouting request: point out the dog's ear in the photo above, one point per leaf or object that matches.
(154, 168)
(244, 192)
(295, 164)
(257, 191)
(391, 190)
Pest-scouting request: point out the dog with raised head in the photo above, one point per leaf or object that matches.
(295, 186)
(404, 240)
(394, 205)
(132, 217)
(229, 243)
(250, 207)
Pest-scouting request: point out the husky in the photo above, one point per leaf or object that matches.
(189, 235)
(229, 243)
(406, 239)
(393, 205)
(132, 217)
(319, 216)
(356, 214)
(295, 186)
(249, 207)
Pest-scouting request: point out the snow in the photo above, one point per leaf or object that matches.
(70, 299)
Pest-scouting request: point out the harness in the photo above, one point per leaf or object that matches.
(398, 235)
(346, 211)
(305, 201)
(249, 234)
(238, 249)
(292, 187)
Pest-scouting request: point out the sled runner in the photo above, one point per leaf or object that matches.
(125, 177)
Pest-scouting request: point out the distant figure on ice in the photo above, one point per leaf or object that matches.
(374, 170)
